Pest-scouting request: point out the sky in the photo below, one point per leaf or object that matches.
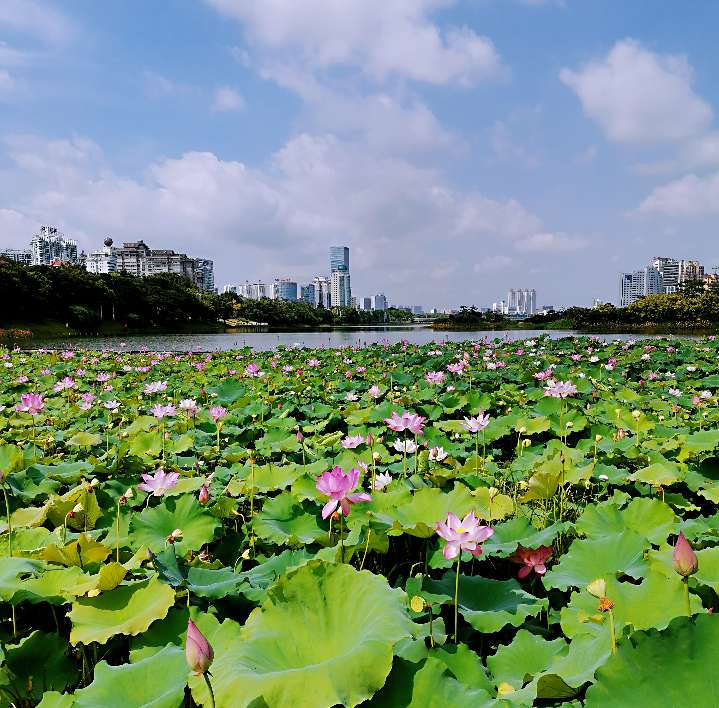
(458, 147)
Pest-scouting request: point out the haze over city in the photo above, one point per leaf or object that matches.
(458, 147)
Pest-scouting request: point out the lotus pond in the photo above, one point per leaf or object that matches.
(465, 524)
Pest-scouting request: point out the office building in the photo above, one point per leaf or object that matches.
(23, 256)
(365, 303)
(668, 269)
(690, 270)
(307, 293)
(284, 289)
(339, 259)
(521, 301)
(254, 291)
(323, 292)
(205, 274)
(638, 284)
(378, 302)
(50, 247)
(341, 291)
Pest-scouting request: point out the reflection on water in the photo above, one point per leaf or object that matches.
(263, 341)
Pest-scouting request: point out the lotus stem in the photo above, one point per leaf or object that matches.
(456, 597)
(366, 548)
(687, 597)
(612, 632)
(209, 688)
(9, 521)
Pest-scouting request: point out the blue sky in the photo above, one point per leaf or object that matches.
(459, 147)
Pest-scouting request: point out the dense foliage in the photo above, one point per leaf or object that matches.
(487, 523)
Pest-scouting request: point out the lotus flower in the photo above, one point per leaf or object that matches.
(155, 387)
(407, 446)
(253, 371)
(189, 406)
(407, 421)
(198, 651)
(475, 425)
(204, 495)
(685, 560)
(559, 389)
(112, 405)
(64, 384)
(352, 441)
(31, 403)
(374, 391)
(160, 411)
(337, 485)
(382, 480)
(159, 483)
(434, 377)
(464, 535)
(218, 413)
(531, 560)
(437, 454)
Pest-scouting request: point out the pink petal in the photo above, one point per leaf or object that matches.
(362, 497)
(345, 507)
(450, 551)
(329, 507)
(524, 572)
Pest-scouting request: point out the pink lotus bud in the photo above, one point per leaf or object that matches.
(204, 496)
(685, 560)
(198, 652)
(370, 439)
(299, 436)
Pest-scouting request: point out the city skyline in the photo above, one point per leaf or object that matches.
(451, 152)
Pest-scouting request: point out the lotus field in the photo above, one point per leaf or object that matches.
(491, 523)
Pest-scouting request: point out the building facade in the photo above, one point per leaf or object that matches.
(323, 292)
(341, 290)
(379, 302)
(521, 301)
(307, 293)
(339, 259)
(284, 289)
(638, 284)
(18, 255)
(50, 246)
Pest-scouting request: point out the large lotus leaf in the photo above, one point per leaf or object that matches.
(526, 656)
(433, 686)
(152, 526)
(64, 471)
(10, 571)
(11, 459)
(157, 681)
(258, 579)
(697, 443)
(128, 609)
(85, 439)
(593, 558)
(487, 604)
(676, 667)
(465, 665)
(284, 521)
(83, 552)
(39, 663)
(660, 474)
(270, 477)
(519, 532)
(324, 635)
(420, 514)
(56, 586)
(491, 506)
(26, 542)
(634, 605)
(53, 699)
(708, 573)
(650, 518)
(146, 443)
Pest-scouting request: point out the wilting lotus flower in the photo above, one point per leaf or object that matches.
(475, 425)
(337, 485)
(160, 483)
(464, 535)
(352, 441)
(218, 413)
(685, 560)
(437, 454)
(198, 652)
(531, 560)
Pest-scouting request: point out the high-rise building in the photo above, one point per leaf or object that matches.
(323, 291)
(18, 255)
(379, 302)
(638, 284)
(50, 246)
(254, 291)
(521, 301)
(669, 271)
(690, 270)
(307, 293)
(365, 303)
(341, 291)
(102, 261)
(339, 259)
(205, 274)
(284, 289)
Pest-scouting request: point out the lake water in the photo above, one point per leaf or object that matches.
(263, 341)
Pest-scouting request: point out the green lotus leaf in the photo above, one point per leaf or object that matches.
(675, 667)
(284, 521)
(55, 586)
(708, 572)
(66, 472)
(83, 552)
(11, 459)
(38, 663)
(157, 681)
(491, 506)
(152, 526)
(10, 571)
(128, 609)
(434, 686)
(593, 558)
(465, 665)
(519, 532)
(53, 699)
(324, 626)
(488, 604)
(148, 444)
(262, 576)
(659, 474)
(697, 443)
(85, 439)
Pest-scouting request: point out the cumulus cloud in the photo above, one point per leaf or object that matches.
(690, 196)
(228, 99)
(36, 18)
(641, 97)
(551, 242)
(405, 42)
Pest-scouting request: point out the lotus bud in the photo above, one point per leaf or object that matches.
(204, 495)
(636, 414)
(198, 652)
(685, 560)
(299, 436)
(370, 439)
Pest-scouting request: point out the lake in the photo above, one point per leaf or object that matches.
(334, 338)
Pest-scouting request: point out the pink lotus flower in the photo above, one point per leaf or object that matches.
(457, 368)
(189, 406)
(374, 391)
(31, 403)
(87, 401)
(531, 560)
(155, 387)
(159, 483)
(436, 378)
(111, 405)
(464, 535)
(160, 411)
(352, 441)
(64, 384)
(198, 651)
(560, 389)
(407, 421)
(475, 425)
(204, 496)
(252, 370)
(218, 413)
(337, 485)
(685, 560)
(312, 363)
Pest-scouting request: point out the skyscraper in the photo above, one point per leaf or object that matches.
(339, 259)
(50, 245)
(639, 284)
(341, 290)
(284, 289)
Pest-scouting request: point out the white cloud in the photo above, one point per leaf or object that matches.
(37, 19)
(690, 196)
(384, 38)
(638, 96)
(547, 241)
(158, 86)
(228, 100)
(490, 264)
